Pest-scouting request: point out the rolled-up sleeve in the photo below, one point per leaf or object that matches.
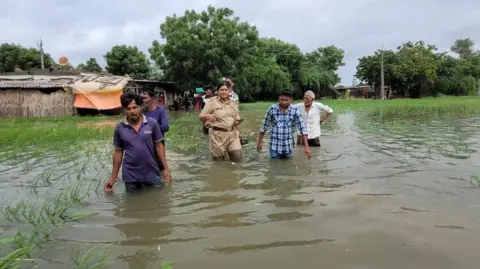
(324, 108)
(117, 139)
(267, 120)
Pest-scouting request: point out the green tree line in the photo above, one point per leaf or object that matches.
(199, 48)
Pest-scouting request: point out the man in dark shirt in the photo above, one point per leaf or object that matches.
(137, 138)
(157, 112)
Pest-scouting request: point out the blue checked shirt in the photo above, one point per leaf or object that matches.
(281, 135)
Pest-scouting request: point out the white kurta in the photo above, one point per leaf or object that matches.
(312, 117)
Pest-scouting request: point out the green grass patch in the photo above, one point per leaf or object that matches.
(405, 105)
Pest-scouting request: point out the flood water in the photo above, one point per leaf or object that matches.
(380, 193)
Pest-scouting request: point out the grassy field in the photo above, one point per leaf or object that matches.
(424, 104)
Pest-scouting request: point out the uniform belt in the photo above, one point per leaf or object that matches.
(214, 128)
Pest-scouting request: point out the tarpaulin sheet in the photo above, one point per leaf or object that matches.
(96, 91)
(97, 83)
(98, 101)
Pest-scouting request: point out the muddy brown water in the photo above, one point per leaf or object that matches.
(394, 194)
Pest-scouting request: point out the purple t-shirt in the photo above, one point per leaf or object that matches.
(160, 115)
(139, 162)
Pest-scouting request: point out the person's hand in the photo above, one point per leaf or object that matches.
(259, 146)
(308, 154)
(109, 184)
(167, 176)
(210, 118)
(237, 120)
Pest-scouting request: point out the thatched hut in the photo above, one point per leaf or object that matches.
(35, 96)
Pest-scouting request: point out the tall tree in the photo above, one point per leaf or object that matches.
(287, 55)
(463, 47)
(90, 66)
(127, 60)
(319, 70)
(15, 56)
(201, 47)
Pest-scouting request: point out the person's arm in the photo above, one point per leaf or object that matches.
(205, 113)
(303, 131)
(265, 124)
(328, 111)
(157, 139)
(164, 124)
(117, 159)
(119, 145)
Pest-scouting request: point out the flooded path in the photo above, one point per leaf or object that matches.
(376, 195)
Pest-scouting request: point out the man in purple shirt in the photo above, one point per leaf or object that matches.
(137, 138)
(157, 112)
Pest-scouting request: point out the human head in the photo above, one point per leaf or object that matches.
(308, 98)
(230, 80)
(147, 96)
(208, 90)
(223, 89)
(285, 98)
(131, 104)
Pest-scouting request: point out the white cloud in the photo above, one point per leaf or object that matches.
(89, 28)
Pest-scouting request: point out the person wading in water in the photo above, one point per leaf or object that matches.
(139, 137)
(234, 97)
(156, 112)
(222, 115)
(205, 99)
(282, 117)
(312, 117)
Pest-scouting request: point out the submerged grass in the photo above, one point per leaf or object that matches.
(35, 223)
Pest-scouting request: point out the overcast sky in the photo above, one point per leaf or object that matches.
(89, 28)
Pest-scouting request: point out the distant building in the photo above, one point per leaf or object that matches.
(358, 91)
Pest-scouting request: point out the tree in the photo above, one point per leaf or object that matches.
(201, 47)
(15, 56)
(127, 60)
(262, 79)
(319, 70)
(463, 47)
(65, 67)
(90, 66)
(287, 55)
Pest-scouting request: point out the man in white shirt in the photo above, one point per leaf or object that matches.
(312, 117)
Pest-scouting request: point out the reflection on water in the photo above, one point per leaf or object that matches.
(393, 193)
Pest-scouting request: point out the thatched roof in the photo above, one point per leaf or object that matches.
(34, 82)
(72, 82)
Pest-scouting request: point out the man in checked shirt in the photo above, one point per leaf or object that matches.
(282, 117)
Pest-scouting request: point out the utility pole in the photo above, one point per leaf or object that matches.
(382, 82)
(40, 48)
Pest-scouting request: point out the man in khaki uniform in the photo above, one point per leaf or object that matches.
(223, 117)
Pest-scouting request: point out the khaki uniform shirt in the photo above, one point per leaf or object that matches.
(224, 113)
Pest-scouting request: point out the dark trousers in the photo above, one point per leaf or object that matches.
(136, 186)
(314, 142)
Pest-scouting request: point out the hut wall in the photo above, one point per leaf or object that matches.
(34, 103)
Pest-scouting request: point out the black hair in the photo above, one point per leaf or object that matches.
(207, 87)
(150, 92)
(223, 83)
(230, 78)
(286, 92)
(128, 98)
